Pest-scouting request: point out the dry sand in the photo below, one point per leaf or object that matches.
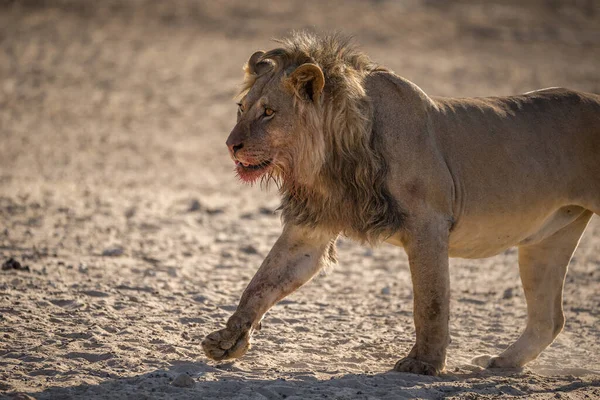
(116, 190)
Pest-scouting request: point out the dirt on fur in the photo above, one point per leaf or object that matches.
(116, 190)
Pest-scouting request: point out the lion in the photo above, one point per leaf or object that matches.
(356, 150)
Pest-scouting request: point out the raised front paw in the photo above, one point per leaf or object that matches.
(228, 343)
(414, 366)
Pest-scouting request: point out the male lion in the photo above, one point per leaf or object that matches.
(359, 151)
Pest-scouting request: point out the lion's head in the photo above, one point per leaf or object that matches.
(272, 137)
(304, 120)
(288, 94)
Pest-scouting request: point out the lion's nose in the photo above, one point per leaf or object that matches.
(235, 141)
(234, 147)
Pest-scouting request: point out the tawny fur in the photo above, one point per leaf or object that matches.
(360, 151)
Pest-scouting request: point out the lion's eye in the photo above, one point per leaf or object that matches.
(240, 107)
(269, 112)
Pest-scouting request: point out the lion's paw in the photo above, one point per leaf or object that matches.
(488, 361)
(414, 366)
(226, 344)
(482, 361)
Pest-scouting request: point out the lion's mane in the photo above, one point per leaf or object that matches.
(340, 156)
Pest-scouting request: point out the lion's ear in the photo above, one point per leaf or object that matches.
(308, 81)
(255, 66)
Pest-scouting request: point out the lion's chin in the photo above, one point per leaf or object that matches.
(252, 173)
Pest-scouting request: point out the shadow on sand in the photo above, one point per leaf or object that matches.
(225, 381)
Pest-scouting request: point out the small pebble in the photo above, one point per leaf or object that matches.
(194, 205)
(11, 263)
(130, 212)
(249, 249)
(266, 211)
(508, 293)
(214, 211)
(113, 251)
(183, 380)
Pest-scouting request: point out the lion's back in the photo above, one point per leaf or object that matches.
(535, 147)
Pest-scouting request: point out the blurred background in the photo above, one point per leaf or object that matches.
(133, 92)
(117, 191)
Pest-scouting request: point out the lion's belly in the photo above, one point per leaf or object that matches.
(480, 237)
(486, 237)
(475, 238)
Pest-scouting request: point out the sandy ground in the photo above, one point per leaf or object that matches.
(117, 192)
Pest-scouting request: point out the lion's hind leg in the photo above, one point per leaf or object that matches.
(542, 267)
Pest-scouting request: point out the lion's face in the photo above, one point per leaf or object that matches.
(264, 134)
(276, 133)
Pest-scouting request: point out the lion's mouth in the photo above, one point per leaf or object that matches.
(252, 167)
(251, 172)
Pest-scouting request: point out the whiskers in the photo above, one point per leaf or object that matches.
(271, 177)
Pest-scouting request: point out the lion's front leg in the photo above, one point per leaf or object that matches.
(295, 258)
(427, 251)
